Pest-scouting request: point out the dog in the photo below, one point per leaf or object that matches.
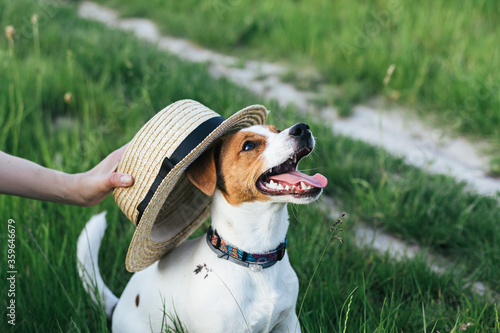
(252, 175)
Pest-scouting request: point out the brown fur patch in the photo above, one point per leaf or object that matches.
(202, 172)
(273, 128)
(239, 170)
(137, 300)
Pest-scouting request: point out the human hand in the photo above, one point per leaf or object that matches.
(95, 185)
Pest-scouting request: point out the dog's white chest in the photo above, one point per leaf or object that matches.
(257, 300)
(271, 303)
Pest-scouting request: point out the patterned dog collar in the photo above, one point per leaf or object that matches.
(254, 261)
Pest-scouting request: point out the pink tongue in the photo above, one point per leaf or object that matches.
(295, 177)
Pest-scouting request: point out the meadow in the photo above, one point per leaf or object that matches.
(72, 91)
(444, 52)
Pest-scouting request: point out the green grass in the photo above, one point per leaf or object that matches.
(444, 51)
(115, 89)
(431, 210)
(388, 296)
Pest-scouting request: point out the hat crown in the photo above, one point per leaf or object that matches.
(155, 141)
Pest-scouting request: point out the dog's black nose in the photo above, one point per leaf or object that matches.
(300, 131)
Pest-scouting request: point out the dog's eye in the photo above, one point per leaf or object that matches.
(248, 145)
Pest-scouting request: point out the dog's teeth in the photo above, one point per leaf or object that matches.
(304, 186)
(274, 185)
(280, 187)
(294, 158)
(287, 187)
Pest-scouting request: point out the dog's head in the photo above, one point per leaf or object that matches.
(259, 163)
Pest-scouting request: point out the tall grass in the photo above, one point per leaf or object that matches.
(431, 210)
(81, 91)
(444, 51)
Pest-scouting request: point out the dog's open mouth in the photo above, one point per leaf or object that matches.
(284, 179)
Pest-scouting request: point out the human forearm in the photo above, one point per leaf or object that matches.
(27, 179)
(24, 178)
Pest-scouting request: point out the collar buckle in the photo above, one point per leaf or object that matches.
(255, 268)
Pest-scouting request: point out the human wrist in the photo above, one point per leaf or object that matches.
(63, 188)
(73, 190)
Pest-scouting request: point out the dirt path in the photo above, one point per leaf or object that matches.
(396, 131)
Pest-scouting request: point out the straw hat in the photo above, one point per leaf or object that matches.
(163, 203)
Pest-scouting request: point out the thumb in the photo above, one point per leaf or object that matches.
(118, 179)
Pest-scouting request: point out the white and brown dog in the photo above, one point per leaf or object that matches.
(247, 283)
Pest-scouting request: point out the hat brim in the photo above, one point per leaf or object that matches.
(191, 205)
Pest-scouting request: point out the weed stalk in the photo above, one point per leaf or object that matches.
(15, 95)
(36, 47)
(332, 235)
(348, 309)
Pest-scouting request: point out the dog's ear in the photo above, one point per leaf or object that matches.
(202, 172)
